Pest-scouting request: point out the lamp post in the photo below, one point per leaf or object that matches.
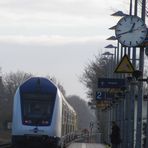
(120, 107)
(128, 124)
(116, 53)
(116, 56)
(109, 71)
(140, 87)
(113, 38)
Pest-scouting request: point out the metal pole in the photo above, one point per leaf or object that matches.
(121, 107)
(131, 119)
(126, 131)
(131, 4)
(117, 52)
(147, 128)
(129, 101)
(135, 11)
(132, 103)
(133, 92)
(140, 88)
(122, 123)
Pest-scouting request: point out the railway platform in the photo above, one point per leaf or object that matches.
(86, 145)
(92, 140)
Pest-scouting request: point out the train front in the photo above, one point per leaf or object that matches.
(33, 112)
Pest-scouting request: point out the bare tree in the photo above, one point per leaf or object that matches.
(10, 82)
(85, 115)
(92, 72)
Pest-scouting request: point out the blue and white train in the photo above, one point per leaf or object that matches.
(41, 115)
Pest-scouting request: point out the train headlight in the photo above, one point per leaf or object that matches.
(27, 122)
(45, 122)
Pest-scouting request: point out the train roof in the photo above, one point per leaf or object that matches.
(38, 84)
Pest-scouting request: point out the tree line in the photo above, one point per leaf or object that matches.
(9, 82)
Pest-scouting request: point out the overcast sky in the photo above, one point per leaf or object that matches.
(55, 37)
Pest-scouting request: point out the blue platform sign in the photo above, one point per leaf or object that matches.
(100, 95)
(111, 83)
(104, 96)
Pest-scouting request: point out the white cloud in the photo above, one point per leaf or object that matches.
(49, 40)
(45, 10)
(53, 17)
(75, 7)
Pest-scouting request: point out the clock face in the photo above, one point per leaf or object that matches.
(131, 31)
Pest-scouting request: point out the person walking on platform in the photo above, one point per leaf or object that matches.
(115, 135)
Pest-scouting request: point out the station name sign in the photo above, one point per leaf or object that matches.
(111, 83)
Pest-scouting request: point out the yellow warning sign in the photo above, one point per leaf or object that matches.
(125, 66)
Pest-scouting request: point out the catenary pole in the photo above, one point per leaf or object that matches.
(140, 88)
(147, 125)
(129, 100)
(132, 94)
(133, 88)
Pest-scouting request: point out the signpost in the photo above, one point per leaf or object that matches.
(103, 104)
(111, 83)
(125, 66)
(102, 95)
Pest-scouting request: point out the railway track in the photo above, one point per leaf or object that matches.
(5, 145)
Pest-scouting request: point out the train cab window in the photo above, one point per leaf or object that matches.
(37, 109)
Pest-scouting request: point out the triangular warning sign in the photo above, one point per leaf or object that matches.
(125, 66)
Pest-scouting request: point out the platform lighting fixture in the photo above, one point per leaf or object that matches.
(107, 53)
(116, 54)
(110, 46)
(112, 38)
(119, 13)
(112, 28)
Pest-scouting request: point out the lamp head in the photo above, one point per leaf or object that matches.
(137, 73)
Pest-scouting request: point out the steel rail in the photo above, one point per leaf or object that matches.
(5, 145)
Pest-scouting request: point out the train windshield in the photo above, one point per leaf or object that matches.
(37, 109)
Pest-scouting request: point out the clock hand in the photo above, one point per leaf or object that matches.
(131, 30)
(124, 33)
(132, 27)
